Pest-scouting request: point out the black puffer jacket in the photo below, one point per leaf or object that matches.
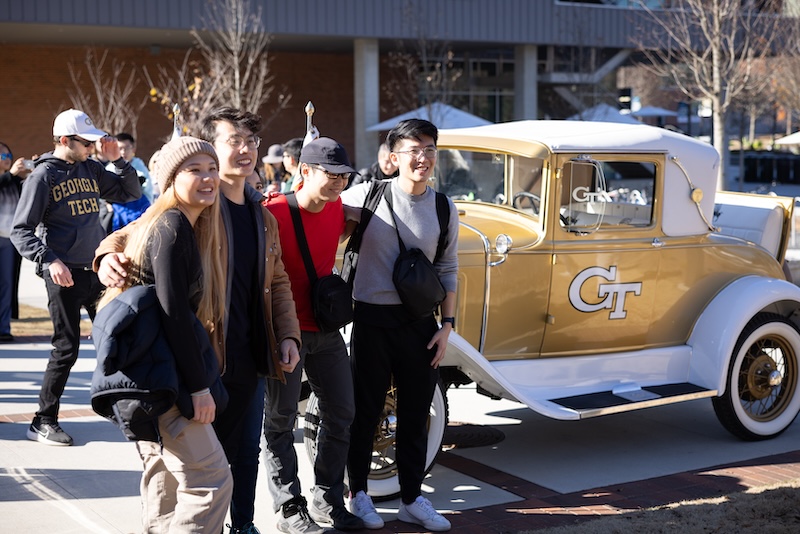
(136, 379)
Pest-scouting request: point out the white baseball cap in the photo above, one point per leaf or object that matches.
(76, 122)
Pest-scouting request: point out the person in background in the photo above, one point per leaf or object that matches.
(388, 343)
(63, 194)
(106, 208)
(127, 147)
(272, 187)
(326, 169)
(261, 331)
(123, 214)
(273, 164)
(256, 181)
(12, 173)
(291, 163)
(151, 166)
(174, 247)
(383, 169)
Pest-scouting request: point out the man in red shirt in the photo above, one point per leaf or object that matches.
(325, 169)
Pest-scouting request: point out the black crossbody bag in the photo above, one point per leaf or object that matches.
(331, 296)
(414, 276)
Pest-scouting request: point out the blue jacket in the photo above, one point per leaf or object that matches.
(136, 378)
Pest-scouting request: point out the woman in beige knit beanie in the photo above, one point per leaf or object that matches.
(175, 246)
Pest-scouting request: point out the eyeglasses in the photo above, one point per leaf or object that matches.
(237, 142)
(5, 156)
(416, 152)
(332, 176)
(82, 141)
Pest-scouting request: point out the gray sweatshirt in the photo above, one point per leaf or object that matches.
(419, 228)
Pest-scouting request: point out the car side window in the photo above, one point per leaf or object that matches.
(468, 175)
(624, 198)
(630, 186)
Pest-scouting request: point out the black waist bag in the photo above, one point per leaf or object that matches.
(332, 301)
(414, 276)
(417, 282)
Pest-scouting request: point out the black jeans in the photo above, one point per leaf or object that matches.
(379, 353)
(64, 304)
(327, 365)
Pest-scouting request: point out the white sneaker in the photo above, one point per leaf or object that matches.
(361, 506)
(422, 512)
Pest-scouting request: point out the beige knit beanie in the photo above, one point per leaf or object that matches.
(174, 153)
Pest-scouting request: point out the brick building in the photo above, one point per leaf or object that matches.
(519, 58)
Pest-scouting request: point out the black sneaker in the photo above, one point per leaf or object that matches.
(336, 515)
(249, 528)
(48, 432)
(296, 520)
(6, 338)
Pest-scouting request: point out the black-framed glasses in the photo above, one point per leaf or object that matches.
(81, 140)
(429, 152)
(331, 176)
(237, 142)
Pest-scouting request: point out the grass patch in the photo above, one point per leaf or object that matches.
(768, 509)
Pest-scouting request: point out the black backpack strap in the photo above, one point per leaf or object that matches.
(374, 195)
(302, 243)
(443, 214)
(373, 198)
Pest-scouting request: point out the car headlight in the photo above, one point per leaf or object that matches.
(502, 243)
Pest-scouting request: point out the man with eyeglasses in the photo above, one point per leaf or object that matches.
(291, 162)
(63, 193)
(325, 170)
(387, 342)
(261, 331)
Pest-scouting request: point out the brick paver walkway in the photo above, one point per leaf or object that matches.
(543, 508)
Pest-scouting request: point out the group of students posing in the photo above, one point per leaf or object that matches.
(219, 254)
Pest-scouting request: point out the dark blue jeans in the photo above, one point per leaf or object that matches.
(327, 365)
(245, 466)
(64, 304)
(7, 283)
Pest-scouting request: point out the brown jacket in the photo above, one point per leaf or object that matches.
(279, 309)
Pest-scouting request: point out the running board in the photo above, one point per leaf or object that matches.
(628, 398)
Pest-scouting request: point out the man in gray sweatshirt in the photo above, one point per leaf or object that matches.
(387, 343)
(63, 194)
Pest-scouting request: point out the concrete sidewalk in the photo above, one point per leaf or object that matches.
(543, 473)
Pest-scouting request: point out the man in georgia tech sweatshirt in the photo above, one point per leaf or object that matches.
(62, 193)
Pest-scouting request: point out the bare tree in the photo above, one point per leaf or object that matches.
(786, 73)
(111, 102)
(230, 66)
(757, 98)
(423, 76)
(708, 48)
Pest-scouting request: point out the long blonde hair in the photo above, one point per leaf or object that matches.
(208, 232)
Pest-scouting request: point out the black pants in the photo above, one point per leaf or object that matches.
(327, 366)
(64, 304)
(379, 353)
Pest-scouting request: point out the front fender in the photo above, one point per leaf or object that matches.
(471, 362)
(719, 326)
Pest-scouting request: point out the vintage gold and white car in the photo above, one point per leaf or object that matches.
(600, 272)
